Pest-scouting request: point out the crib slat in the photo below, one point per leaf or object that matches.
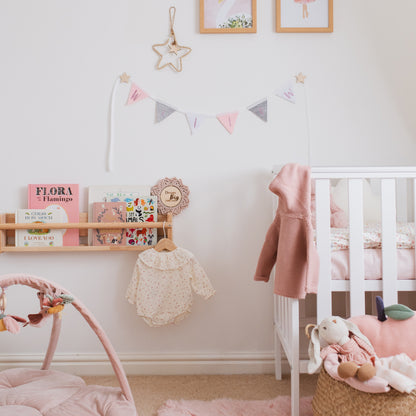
(357, 283)
(414, 217)
(323, 241)
(388, 238)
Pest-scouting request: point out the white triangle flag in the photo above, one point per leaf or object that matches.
(195, 121)
(287, 91)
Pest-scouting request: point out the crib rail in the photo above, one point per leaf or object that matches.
(391, 181)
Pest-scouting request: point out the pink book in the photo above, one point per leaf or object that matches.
(108, 212)
(42, 196)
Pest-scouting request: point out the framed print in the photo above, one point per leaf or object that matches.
(227, 16)
(304, 16)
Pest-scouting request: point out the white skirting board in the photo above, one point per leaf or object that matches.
(151, 364)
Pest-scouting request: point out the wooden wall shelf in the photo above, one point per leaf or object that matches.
(8, 226)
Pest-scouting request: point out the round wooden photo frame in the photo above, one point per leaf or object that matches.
(172, 196)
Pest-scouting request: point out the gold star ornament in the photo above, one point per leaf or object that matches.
(171, 53)
(300, 78)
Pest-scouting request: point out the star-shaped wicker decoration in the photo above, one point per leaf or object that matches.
(171, 54)
(124, 78)
(300, 78)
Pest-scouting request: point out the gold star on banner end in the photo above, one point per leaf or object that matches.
(300, 78)
(124, 78)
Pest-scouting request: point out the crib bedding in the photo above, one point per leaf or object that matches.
(405, 236)
(340, 269)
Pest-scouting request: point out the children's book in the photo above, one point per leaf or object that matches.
(143, 209)
(102, 193)
(66, 196)
(43, 237)
(109, 212)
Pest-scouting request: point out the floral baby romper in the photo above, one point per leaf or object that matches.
(162, 283)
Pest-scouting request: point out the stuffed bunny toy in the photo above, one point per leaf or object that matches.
(335, 335)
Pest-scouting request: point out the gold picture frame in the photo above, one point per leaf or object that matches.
(213, 12)
(312, 16)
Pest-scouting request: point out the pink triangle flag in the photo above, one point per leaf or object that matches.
(194, 121)
(228, 120)
(136, 94)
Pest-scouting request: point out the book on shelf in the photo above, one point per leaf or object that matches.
(109, 212)
(142, 209)
(42, 237)
(146, 208)
(66, 196)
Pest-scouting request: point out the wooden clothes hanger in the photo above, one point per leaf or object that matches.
(165, 243)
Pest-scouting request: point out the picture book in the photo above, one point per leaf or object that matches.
(48, 196)
(109, 212)
(103, 193)
(142, 209)
(43, 237)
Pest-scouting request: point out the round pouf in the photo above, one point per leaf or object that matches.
(336, 398)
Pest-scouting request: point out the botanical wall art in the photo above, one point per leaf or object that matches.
(227, 16)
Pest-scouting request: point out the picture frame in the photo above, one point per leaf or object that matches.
(228, 16)
(304, 16)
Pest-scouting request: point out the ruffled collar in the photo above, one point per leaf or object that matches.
(166, 260)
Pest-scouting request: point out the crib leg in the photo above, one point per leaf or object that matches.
(295, 366)
(277, 355)
(294, 390)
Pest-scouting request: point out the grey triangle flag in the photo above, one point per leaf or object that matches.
(163, 111)
(260, 110)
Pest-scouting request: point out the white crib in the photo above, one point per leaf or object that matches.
(397, 187)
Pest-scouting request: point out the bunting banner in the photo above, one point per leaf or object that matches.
(136, 94)
(260, 110)
(228, 121)
(163, 111)
(286, 91)
(194, 121)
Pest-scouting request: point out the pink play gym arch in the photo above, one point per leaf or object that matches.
(48, 287)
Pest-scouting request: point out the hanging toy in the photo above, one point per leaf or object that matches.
(8, 322)
(171, 53)
(50, 305)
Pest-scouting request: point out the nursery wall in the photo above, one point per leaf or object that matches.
(59, 61)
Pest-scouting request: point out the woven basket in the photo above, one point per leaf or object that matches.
(336, 398)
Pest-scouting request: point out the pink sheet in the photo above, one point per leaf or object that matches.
(372, 260)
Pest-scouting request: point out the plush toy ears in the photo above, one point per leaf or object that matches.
(354, 329)
(314, 349)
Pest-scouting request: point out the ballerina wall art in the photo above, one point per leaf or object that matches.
(304, 16)
(227, 16)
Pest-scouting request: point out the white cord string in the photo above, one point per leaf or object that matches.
(308, 126)
(111, 127)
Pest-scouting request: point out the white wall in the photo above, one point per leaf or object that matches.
(59, 60)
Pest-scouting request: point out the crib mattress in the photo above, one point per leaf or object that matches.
(372, 264)
(29, 392)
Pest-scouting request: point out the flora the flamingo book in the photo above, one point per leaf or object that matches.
(49, 196)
